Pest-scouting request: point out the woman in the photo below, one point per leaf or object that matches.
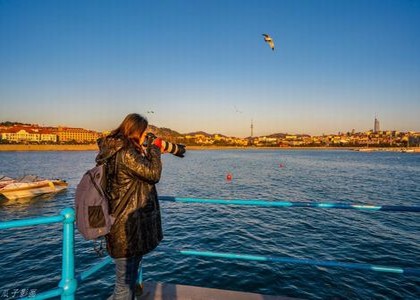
(132, 173)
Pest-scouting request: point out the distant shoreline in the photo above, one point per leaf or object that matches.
(22, 147)
(94, 147)
(361, 149)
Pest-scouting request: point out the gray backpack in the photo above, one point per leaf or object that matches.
(92, 208)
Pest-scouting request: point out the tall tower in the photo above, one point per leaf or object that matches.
(376, 127)
(252, 129)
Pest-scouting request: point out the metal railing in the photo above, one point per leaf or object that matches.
(69, 282)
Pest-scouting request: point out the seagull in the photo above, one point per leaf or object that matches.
(237, 110)
(269, 40)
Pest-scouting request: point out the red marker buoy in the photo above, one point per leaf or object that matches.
(281, 165)
(229, 177)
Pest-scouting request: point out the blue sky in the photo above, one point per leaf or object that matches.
(203, 65)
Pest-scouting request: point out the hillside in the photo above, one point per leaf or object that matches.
(199, 133)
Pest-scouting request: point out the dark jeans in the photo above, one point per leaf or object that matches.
(126, 270)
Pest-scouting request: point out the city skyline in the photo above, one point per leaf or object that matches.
(34, 134)
(374, 129)
(193, 66)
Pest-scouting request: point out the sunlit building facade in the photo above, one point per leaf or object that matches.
(20, 134)
(79, 135)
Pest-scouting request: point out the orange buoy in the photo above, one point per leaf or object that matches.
(229, 177)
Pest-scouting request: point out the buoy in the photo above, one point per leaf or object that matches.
(229, 177)
(281, 165)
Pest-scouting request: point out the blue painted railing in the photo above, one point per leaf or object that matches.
(69, 282)
(264, 203)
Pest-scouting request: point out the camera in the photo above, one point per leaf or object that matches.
(168, 147)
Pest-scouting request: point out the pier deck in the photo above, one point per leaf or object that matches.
(160, 291)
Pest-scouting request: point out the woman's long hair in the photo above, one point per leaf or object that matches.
(131, 129)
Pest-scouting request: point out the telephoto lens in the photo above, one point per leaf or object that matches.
(175, 149)
(168, 147)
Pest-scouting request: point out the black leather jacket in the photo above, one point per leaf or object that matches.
(133, 200)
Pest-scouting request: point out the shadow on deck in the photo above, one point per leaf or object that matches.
(160, 291)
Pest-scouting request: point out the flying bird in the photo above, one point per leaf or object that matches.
(237, 110)
(269, 40)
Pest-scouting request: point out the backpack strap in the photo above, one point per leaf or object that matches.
(98, 189)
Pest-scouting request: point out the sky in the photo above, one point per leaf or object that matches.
(204, 65)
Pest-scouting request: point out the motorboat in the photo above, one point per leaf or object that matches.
(4, 180)
(407, 150)
(30, 186)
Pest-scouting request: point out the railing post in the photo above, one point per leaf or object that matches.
(140, 276)
(68, 281)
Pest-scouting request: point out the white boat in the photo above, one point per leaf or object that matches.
(407, 150)
(365, 149)
(4, 180)
(31, 186)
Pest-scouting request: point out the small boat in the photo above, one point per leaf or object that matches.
(4, 180)
(407, 151)
(30, 186)
(365, 149)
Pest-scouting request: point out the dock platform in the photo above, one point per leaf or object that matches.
(165, 291)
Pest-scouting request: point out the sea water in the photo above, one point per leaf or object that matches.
(31, 257)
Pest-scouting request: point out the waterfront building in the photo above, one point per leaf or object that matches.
(376, 127)
(19, 135)
(79, 135)
(47, 135)
(25, 134)
(37, 134)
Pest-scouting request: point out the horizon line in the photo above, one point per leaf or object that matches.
(207, 133)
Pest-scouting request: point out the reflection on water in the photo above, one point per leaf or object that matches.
(27, 201)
